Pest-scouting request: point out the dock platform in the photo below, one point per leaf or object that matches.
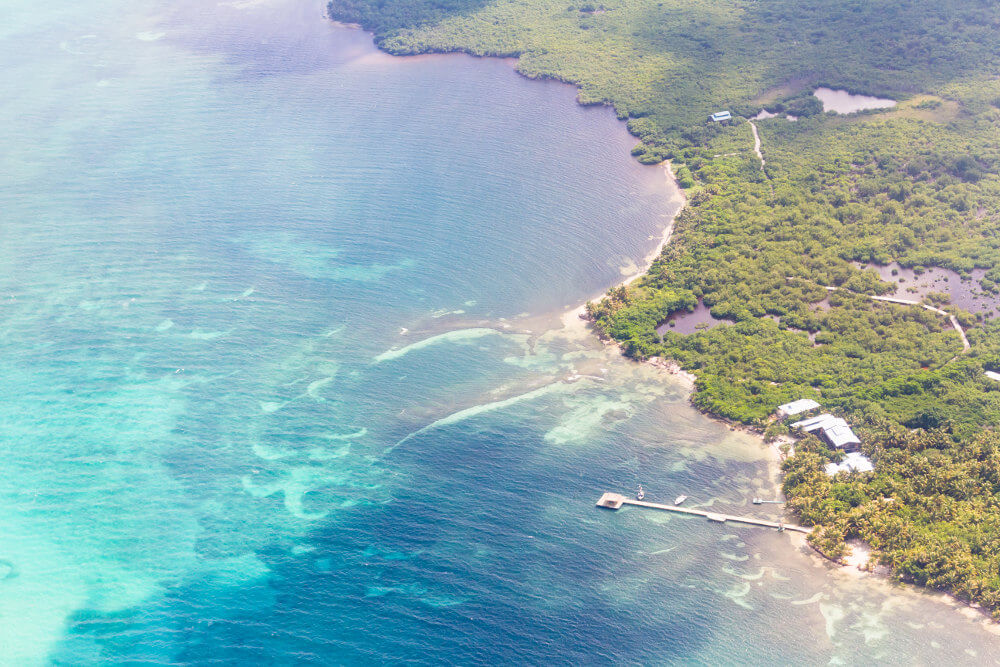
(614, 501)
(611, 501)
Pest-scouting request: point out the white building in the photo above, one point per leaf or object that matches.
(813, 423)
(720, 116)
(796, 407)
(835, 431)
(853, 462)
(838, 434)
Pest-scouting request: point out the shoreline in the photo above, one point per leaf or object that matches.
(857, 566)
(679, 198)
(575, 320)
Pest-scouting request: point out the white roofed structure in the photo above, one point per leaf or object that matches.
(853, 462)
(834, 430)
(811, 424)
(796, 407)
(841, 436)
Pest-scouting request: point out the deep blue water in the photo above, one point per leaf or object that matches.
(283, 379)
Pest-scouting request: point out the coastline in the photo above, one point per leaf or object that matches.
(574, 321)
(579, 313)
(857, 567)
(341, 24)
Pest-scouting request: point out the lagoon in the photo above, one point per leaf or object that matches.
(843, 102)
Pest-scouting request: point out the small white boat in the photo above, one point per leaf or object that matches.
(679, 499)
(640, 494)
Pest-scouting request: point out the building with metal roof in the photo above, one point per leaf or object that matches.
(796, 407)
(853, 462)
(833, 430)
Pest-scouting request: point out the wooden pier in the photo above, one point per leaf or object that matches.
(614, 501)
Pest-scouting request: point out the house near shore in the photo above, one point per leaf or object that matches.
(720, 116)
(795, 408)
(853, 462)
(834, 431)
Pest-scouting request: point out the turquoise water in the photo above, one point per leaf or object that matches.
(284, 379)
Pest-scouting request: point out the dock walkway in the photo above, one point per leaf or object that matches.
(614, 501)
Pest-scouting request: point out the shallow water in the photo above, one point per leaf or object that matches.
(964, 292)
(266, 397)
(684, 322)
(841, 101)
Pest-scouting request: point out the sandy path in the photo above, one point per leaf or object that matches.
(756, 143)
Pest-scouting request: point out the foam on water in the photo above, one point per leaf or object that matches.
(455, 336)
(316, 385)
(482, 408)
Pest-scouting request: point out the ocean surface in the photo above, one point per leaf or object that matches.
(284, 380)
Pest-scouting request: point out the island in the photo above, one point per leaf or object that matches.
(840, 241)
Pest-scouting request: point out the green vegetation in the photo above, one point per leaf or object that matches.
(917, 184)
(929, 511)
